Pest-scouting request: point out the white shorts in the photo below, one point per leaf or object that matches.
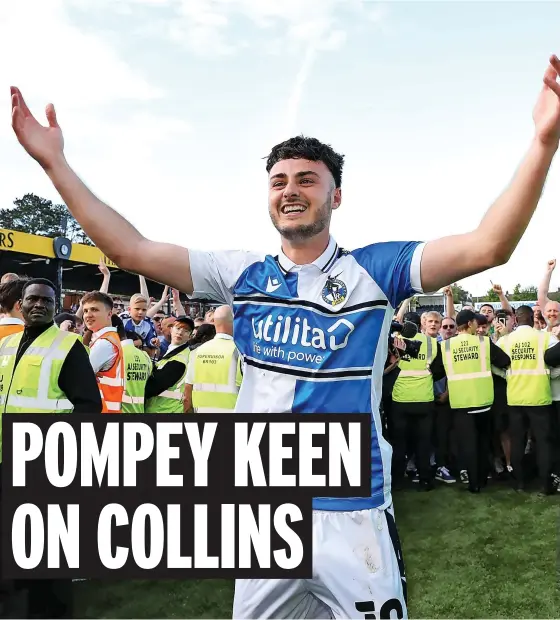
(358, 572)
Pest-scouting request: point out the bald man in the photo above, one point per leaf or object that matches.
(223, 320)
(214, 374)
(8, 277)
(551, 314)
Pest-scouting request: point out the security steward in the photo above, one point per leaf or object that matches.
(413, 407)
(214, 374)
(468, 359)
(40, 350)
(106, 356)
(137, 370)
(165, 387)
(529, 396)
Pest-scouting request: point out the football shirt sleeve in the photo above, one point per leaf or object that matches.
(214, 274)
(394, 266)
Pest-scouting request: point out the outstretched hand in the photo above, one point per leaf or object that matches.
(547, 109)
(44, 144)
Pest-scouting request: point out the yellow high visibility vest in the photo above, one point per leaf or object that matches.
(171, 400)
(528, 377)
(466, 359)
(33, 386)
(217, 376)
(137, 370)
(415, 383)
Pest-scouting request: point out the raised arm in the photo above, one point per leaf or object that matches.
(106, 277)
(178, 309)
(112, 234)
(144, 287)
(544, 286)
(159, 306)
(494, 240)
(497, 288)
(405, 307)
(449, 305)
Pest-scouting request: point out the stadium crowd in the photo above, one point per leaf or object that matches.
(514, 435)
(433, 440)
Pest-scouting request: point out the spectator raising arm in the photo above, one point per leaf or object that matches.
(112, 234)
(144, 287)
(450, 311)
(544, 286)
(106, 277)
(502, 297)
(494, 240)
(104, 285)
(159, 306)
(178, 309)
(405, 307)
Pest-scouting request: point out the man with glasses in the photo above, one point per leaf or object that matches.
(118, 306)
(448, 328)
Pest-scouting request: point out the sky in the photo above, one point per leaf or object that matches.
(169, 107)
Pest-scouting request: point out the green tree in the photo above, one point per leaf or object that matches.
(459, 294)
(39, 216)
(529, 293)
(491, 295)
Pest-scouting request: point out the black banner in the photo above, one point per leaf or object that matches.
(173, 496)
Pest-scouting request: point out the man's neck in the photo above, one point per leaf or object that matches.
(13, 315)
(102, 327)
(38, 328)
(306, 251)
(227, 332)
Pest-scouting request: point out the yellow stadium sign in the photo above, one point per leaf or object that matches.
(14, 241)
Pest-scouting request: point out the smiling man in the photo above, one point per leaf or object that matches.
(312, 323)
(106, 354)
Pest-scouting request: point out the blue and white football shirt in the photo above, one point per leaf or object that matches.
(314, 337)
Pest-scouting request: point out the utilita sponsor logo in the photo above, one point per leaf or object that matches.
(285, 330)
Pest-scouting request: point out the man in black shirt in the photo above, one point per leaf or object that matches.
(48, 598)
(170, 369)
(472, 423)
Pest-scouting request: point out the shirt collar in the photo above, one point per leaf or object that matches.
(324, 262)
(100, 333)
(8, 320)
(223, 336)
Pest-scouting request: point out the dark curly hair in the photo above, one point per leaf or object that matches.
(302, 147)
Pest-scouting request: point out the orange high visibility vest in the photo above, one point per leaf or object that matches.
(111, 382)
(8, 330)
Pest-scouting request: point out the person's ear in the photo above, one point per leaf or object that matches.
(337, 198)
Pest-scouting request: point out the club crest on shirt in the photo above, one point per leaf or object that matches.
(334, 292)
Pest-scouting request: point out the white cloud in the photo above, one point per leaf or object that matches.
(47, 54)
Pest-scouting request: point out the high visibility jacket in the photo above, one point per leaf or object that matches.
(8, 329)
(466, 359)
(528, 378)
(216, 376)
(111, 382)
(171, 400)
(33, 386)
(137, 369)
(415, 383)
